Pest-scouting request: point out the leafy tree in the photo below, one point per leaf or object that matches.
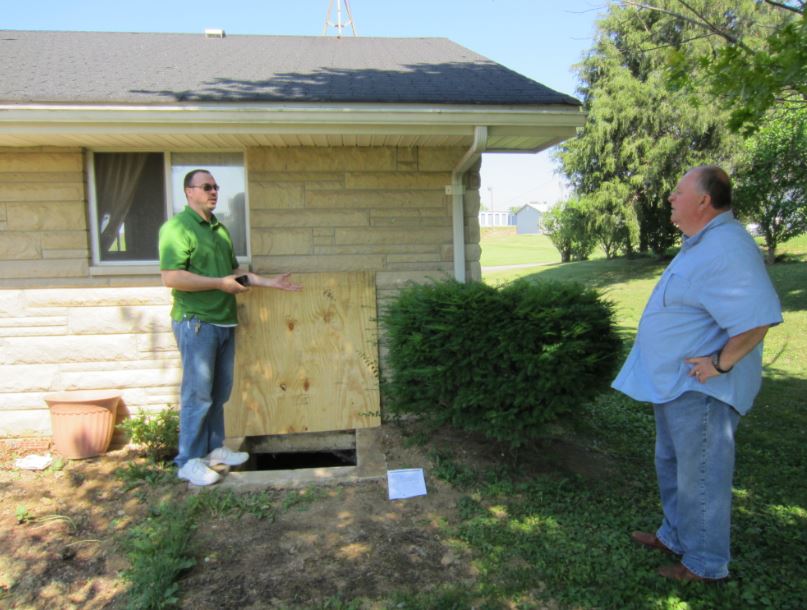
(750, 53)
(639, 138)
(771, 181)
(570, 226)
(616, 227)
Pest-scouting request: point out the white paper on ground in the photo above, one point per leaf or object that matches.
(34, 462)
(406, 483)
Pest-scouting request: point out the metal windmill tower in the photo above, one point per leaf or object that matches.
(339, 25)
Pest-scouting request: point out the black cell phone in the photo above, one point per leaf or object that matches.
(243, 280)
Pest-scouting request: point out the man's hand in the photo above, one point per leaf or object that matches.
(281, 282)
(702, 368)
(735, 350)
(231, 286)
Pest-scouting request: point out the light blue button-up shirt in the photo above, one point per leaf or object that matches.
(715, 288)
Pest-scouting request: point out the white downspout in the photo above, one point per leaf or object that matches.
(470, 157)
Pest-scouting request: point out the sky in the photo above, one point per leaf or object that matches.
(541, 39)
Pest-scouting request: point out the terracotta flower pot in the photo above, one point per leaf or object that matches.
(82, 421)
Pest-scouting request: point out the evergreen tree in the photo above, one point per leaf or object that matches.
(639, 137)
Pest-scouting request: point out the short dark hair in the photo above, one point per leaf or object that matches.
(189, 176)
(715, 182)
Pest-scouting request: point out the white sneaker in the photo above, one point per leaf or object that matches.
(198, 473)
(222, 455)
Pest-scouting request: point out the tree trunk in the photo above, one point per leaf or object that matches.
(770, 255)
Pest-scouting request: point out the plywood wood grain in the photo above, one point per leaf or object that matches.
(306, 361)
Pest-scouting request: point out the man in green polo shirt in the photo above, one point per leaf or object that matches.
(198, 262)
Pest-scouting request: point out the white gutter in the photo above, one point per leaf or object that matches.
(220, 116)
(470, 157)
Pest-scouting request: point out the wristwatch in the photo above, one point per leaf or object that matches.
(716, 363)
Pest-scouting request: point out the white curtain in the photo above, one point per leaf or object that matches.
(116, 180)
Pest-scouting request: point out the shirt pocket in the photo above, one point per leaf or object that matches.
(678, 292)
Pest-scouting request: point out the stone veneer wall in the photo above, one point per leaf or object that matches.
(311, 209)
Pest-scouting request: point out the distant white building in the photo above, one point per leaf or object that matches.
(528, 219)
(496, 219)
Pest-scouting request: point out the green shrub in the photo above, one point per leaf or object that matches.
(502, 361)
(157, 433)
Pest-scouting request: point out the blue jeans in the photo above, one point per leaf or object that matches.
(208, 353)
(695, 466)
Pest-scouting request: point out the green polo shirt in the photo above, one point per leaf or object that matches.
(189, 242)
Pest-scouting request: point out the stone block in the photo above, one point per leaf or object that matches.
(27, 378)
(380, 248)
(395, 280)
(33, 326)
(424, 235)
(24, 422)
(397, 181)
(64, 240)
(289, 178)
(167, 376)
(43, 216)
(17, 245)
(308, 218)
(116, 320)
(322, 185)
(45, 191)
(65, 254)
(473, 272)
(306, 159)
(12, 302)
(303, 264)
(50, 350)
(407, 154)
(129, 296)
(278, 242)
(320, 242)
(375, 199)
(435, 267)
(43, 269)
(39, 161)
(427, 258)
(439, 159)
(159, 344)
(263, 196)
(473, 252)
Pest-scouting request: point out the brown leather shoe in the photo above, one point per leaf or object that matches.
(678, 571)
(650, 541)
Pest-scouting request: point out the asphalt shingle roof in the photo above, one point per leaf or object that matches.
(131, 68)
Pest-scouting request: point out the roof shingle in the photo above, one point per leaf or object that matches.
(132, 68)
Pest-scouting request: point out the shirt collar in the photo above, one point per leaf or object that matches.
(198, 217)
(718, 220)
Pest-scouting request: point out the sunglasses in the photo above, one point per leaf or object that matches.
(205, 187)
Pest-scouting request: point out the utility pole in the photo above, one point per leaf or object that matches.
(339, 25)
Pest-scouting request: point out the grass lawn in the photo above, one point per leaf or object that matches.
(544, 536)
(565, 538)
(501, 246)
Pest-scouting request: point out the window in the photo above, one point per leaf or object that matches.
(132, 194)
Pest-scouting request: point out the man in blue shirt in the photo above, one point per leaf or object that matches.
(698, 359)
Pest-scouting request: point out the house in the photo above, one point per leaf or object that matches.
(528, 219)
(335, 155)
(496, 219)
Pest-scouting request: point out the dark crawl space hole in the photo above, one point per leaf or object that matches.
(298, 460)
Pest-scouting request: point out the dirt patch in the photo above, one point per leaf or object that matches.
(60, 534)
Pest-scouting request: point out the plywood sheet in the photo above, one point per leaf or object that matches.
(306, 361)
